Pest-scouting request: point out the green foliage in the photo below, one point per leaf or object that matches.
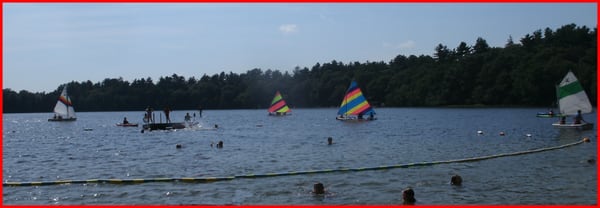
(523, 74)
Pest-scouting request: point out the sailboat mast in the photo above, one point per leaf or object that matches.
(557, 98)
(67, 98)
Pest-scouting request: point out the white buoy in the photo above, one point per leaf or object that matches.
(528, 135)
(502, 133)
(479, 132)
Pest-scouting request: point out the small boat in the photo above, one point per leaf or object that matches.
(63, 110)
(572, 101)
(355, 106)
(548, 115)
(278, 106)
(128, 124)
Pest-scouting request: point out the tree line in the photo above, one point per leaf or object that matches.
(522, 73)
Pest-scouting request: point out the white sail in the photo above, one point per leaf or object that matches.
(572, 97)
(64, 107)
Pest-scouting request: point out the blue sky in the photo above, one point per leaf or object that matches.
(45, 45)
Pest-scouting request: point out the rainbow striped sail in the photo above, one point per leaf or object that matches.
(278, 106)
(355, 104)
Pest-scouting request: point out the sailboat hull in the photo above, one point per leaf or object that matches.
(354, 119)
(582, 126)
(62, 119)
(548, 115)
(279, 114)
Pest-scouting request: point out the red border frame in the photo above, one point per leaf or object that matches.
(308, 1)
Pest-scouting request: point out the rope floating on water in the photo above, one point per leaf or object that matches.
(215, 179)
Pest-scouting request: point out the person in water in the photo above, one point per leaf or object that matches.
(456, 180)
(318, 188)
(408, 197)
(329, 140)
(125, 121)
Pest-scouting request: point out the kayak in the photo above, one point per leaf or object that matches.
(128, 125)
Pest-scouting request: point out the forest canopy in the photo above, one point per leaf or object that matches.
(522, 73)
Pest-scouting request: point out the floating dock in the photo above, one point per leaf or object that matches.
(164, 126)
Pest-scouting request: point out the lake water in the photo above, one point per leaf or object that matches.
(254, 143)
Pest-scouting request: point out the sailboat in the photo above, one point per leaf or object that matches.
(63, 110)
(278, 106)
(355, 106)
(572, 101)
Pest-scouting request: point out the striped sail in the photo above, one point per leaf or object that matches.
(278, 105)
(572, 97)
(354, 102)
(64, 107)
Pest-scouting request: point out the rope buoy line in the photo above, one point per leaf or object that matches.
(215, 179)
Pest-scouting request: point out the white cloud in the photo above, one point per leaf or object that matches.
(288, 28)
(409, 44)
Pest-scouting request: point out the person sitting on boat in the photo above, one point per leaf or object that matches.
(125, 121)
(578, 117)
(371, 117)
(360, 116)
(188, 117)
(562, 120)
(551, 112)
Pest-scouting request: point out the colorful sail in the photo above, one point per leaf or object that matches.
(64, 106)
(354, 102)
(278, 105)
(572, 97)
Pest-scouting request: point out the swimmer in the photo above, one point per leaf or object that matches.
(456, 180)
(329, 141)
(408, 196)
(318, 188)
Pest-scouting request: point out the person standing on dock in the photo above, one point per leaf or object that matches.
(167, 110)
(187, 117)
(148, 117)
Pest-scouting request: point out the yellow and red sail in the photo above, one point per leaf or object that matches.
(278, 105)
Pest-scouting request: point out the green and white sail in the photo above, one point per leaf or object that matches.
(572, 97)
